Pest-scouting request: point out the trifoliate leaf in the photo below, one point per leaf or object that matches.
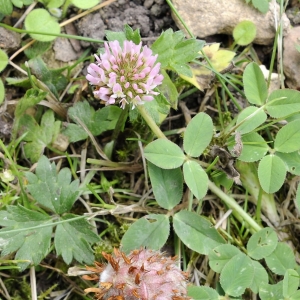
(73, 239)
(33, 244)
(52, 190)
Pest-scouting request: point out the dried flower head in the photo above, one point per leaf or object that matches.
(143, 274)
(124, 76)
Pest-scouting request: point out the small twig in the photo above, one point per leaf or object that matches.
(86, 13)
(27, 11)
(33, 283)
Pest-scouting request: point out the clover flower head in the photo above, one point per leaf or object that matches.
(125, 75)
(142, 274)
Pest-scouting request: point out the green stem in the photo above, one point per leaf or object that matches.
(238, 211)
(68, 36)
(180, 19)
(151, 123)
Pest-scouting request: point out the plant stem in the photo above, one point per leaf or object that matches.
(238, 211)
(151, 123)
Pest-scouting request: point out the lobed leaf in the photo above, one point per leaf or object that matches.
(151, 231)
(73, 239)
(174, 52)
(196, 232)
(33, 244)
(52, 190)
(96, 121)
(38, 136)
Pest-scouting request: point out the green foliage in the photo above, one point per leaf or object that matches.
(164, 154)
(202, 293)
(244, 33)
(261, 5)
(29, 232)
(198, 135)
(167, 185)
(167, 155)
(83, 4)
(2, 92)
(96, 122)
(52, 190)
(40, 20)
(38, 136)
(174, 51)
(255, 85)
(151, 231)
(3, 60)
(53, 79)
(6, 7)
(196, 232)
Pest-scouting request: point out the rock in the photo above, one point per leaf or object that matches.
(91, 26)
(9, 40)
(205, 18)
(64, 50)
(291, 58)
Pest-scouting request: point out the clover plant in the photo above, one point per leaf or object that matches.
(130, 90)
